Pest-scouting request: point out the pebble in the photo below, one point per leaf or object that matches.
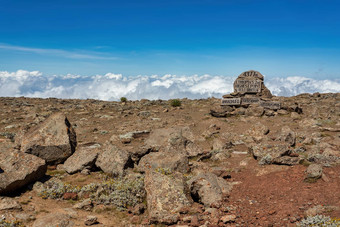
(228, 218)
(91, 220)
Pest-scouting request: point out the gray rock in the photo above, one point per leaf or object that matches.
(5, 145)
(85, 205)
(269, 113)
(144, 114)
(295, 116)
(266, 153)
(166, 196)
(113, 160)
(24, 217)
(7, 203)
(54, 140)
(282, 112)
(255, 110)
(168, 161)
(287, 135)
(258, 130)
(18, 170)
(91, 220)
(159, 138)
(128, 137)
(84, 157)
(179, 143)
(319, 209)
(209, 189)
(287, 160)
(219, 144)
(228, 218)
(53, 220)
(313, 172)
(240, 111)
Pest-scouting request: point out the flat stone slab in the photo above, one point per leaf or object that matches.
(271, 105)
(251, 100)
(231, 102)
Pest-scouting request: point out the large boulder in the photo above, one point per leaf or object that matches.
(84, 157)
(54, 140)
(113, 160)
(209, 189)
(165, 160)
(166, 196)
(159, 138)
(270, 153)
(18, 169)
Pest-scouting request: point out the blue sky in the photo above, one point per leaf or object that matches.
(217, 37)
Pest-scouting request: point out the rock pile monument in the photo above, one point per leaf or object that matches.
(250, 89)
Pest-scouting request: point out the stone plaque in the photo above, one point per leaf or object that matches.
(231, 102)
(250, 100)
(271, 105)
(247, 86)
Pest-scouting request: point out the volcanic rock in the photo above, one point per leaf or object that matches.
(54, 140)
(113, 160)
(287, 135)
(84, 157)
(168, 161)
(18, 170)
(54, 220)
(166, 196)
(313, 172)
(7, 203)
(209, 189)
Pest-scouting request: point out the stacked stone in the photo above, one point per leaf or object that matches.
(250, 89)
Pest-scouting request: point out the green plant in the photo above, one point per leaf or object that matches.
(318, 220)
(123, 99)
(175, 102)
(121, 192)
(7, 223)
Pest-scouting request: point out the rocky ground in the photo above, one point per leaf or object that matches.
(144, 163)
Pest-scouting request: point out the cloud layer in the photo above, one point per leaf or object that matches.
(113, 86)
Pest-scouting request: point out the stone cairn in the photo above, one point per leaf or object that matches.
(250, 89)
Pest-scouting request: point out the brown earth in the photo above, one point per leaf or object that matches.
(263, 195)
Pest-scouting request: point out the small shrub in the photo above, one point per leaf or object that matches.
(318, 220)
(123, 99)
(8, 135)
(8, 223)
(120, 192)
(175, 102)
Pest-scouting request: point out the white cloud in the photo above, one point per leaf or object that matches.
(113, 86)
(58, 52)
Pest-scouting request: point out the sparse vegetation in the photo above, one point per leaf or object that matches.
(175, 102)
(10, 223)
(319, 220)
(8, 135)
(120, 192)
(123, 99)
